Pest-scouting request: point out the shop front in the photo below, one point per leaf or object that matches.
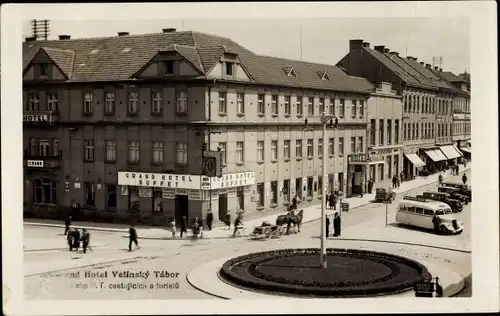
(452, 154)
(437, 160)
(175, 195)
(359, 165)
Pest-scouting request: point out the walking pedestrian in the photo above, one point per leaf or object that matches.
(85, 240)
(183, 225)
(132, 237)
(210, 219)
(196, 227)
(228, 219)
(327, 201)
(394, 181)
(398, 182)
(327, 231)
(70, 238)
(67, 223)
(464, 179)
(440, 179)
(336, 225)
(172, 227)
(402, 176)
(335, 199)
(237, 223)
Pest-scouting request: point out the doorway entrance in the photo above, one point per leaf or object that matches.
(181, 208)
(222, 206)
(240, 193)
(356, 180)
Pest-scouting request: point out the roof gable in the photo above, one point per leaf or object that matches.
(62, 59)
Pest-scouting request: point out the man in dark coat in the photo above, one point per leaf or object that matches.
(336, 225)
(132, 238)
(327, 231)
(67, 223)
(183, 225)
(85, 240)
(332, 201)
(464, 179)
(210, 219)
(70, 238)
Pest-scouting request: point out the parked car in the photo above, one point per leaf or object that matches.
(455, 193)
(456, 205)
(428, 214)
(383, 194)
(464, 188)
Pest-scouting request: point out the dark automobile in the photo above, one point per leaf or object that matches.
(383, 194)
(455, 205)
(464, 188)
(455, 193)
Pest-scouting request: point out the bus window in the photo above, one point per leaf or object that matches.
(402, 208)
(428, 212)
(439, 212)
(420, 211)
(447, 211)
(411, 209)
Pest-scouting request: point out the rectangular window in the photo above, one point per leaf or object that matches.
(310, 151)
(52, 101)
(260, 150)
(261, 108)
(299, 105)
(274, 104)
(389, 131)
(89, 194)
(133, 198)
(33, 102)
(274, 150)
(229, 69)
(88, 103)
(169, 67)
(321, 105)
(359, 149)
(331, 107)
(320, 147)
(372, 132)
(157, 200)
(240, 152)
(381, 171)
(133, 152)
(405, 100)
(341, 145)
(342, 108)
(55, 147)
(89, 150)
(223, 148)
(222, 103)
(331, 146)
(182, 103)
(156, 103)
(310, 106)
(353, 108)
(274, 192)
(110, 151)
(110, 195)
(182, 153)
(353, 144)
(260, 192)
(361, 108)
(288, 109)
(381, 132)
(109, 106)
(418, 104)
(240, 103)
(404, 131)
(44, 147)
(133, 103)
(298, 148)
(286, 190)
(396, 132)
(157, 152)
(310, 182)
(44, 70)
(286, 149)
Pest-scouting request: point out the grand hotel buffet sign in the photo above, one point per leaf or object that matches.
(180, 181)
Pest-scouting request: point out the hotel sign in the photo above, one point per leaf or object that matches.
(34, 163)
(36, 118)
(232, 180)
(159, 180)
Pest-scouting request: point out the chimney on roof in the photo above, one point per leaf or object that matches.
(366, 44)
(428, 66)
(440, 69)
(355, 44)
(436, 68)
(169, 30)
(386, 50)
(31, 39)
(415, 58)
(422, 63)
(123, 33)
(394, 53)
(409, 57)
(379, 48)
(64, 37)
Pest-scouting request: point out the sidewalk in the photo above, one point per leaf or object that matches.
(311, 213)
(43, 244)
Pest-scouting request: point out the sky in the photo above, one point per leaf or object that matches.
(324, 40)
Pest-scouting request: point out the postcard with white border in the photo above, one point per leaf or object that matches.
(214, 158)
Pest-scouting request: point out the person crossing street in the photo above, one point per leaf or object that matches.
(132, 238)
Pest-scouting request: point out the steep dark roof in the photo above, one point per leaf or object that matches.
(451, 77)
(119, 58)
(63, 58)
(429, 74)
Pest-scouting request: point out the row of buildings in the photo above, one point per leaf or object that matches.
(149, 127)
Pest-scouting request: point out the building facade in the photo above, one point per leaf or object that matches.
(122, 127)
(385, 139)
(427, 115)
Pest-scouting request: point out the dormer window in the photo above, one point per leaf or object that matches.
(44, 70)
(290, 72)
(229, 69)
(169, 67)
(324, 75)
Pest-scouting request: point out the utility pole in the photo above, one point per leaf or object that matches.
(40, 28)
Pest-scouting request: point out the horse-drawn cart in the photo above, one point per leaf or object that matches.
(266, 232)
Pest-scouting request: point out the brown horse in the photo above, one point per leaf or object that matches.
(289, 220)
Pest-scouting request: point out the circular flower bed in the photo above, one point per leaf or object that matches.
(349, 272)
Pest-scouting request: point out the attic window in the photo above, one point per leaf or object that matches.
(169, 67)
(94, 51)
(126, 50)
(229, 69)
(324, 75)
(290, 72)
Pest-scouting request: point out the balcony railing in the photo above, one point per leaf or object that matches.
(42, 162)
(40, 117)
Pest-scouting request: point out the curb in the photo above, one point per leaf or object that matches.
(170, 238)
(65, 248)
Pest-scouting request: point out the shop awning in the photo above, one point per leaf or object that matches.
(467, 150)
(415, 160)
(440, 154)
(457, 150)
(435, 155)
(450, 152)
